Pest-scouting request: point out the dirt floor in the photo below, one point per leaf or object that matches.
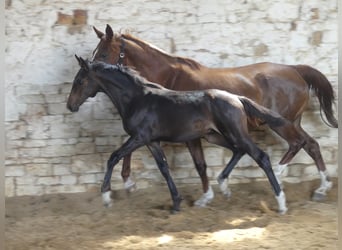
(142, 220)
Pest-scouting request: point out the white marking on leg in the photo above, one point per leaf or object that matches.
(130, 185)
(224, 187)
(205, 198)
(278, 171)
(107, 200)
(326, 185)
(281, 199)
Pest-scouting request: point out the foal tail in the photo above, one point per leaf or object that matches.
(254, 110)
(323, 90)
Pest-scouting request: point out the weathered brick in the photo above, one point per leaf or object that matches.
(39, 169)
(61, 169)
(89, 178)
(48, 180)
(15, 171)
(68, 179)
(29, 190)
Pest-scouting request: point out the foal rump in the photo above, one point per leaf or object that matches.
(254, 110)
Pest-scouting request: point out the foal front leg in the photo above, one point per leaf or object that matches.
(130, 145)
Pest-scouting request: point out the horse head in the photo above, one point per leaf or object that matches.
(84, 85)
(110, 49)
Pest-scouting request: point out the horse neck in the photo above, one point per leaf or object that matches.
(151, 63)
(120, 90)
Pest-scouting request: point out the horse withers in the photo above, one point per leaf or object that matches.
(149, 112)
(284, 89)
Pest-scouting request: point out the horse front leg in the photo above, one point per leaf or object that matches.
(196, 151)
(129, 184)
(130, 145)
(160, 159)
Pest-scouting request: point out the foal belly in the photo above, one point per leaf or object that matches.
(185, 130)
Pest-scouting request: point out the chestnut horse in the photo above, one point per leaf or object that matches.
(149, 111)
(281, 88)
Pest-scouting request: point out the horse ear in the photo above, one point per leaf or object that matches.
(98, 33)
(109, 32)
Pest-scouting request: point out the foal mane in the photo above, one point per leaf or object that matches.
(128, 71)
(149, 47)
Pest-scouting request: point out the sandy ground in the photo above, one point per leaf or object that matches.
(142, 220)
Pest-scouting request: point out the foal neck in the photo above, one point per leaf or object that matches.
(120, 87)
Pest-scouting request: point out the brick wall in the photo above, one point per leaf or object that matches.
(49, 149)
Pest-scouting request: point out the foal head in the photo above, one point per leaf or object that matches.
(85, 85)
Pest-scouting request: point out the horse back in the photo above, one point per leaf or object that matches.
(276, 86)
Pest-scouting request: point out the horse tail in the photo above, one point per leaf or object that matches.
(254, 110)
(323, 90)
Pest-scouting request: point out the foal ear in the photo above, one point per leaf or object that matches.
(98, 33)
(82, 63)
(78, 59)
(109, 32)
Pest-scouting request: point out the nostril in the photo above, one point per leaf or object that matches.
(72, 108)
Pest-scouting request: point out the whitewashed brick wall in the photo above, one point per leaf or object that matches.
(49, 149)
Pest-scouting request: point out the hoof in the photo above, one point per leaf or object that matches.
(130, 186)
(317, 196)
(282, 211)
(223, 183)
(175, 211)
(206, 198)
(201, 202)
(106, 198)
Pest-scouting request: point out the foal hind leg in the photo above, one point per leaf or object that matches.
(160, 159)
(312, 148)
(223, 177)
(195, 149)
(129, 184)
(264, 162)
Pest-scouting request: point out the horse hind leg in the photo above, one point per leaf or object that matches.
(195, 149)
(312, 148)
(296, 142)
(129, 184)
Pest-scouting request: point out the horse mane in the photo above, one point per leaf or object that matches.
(149, 47)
